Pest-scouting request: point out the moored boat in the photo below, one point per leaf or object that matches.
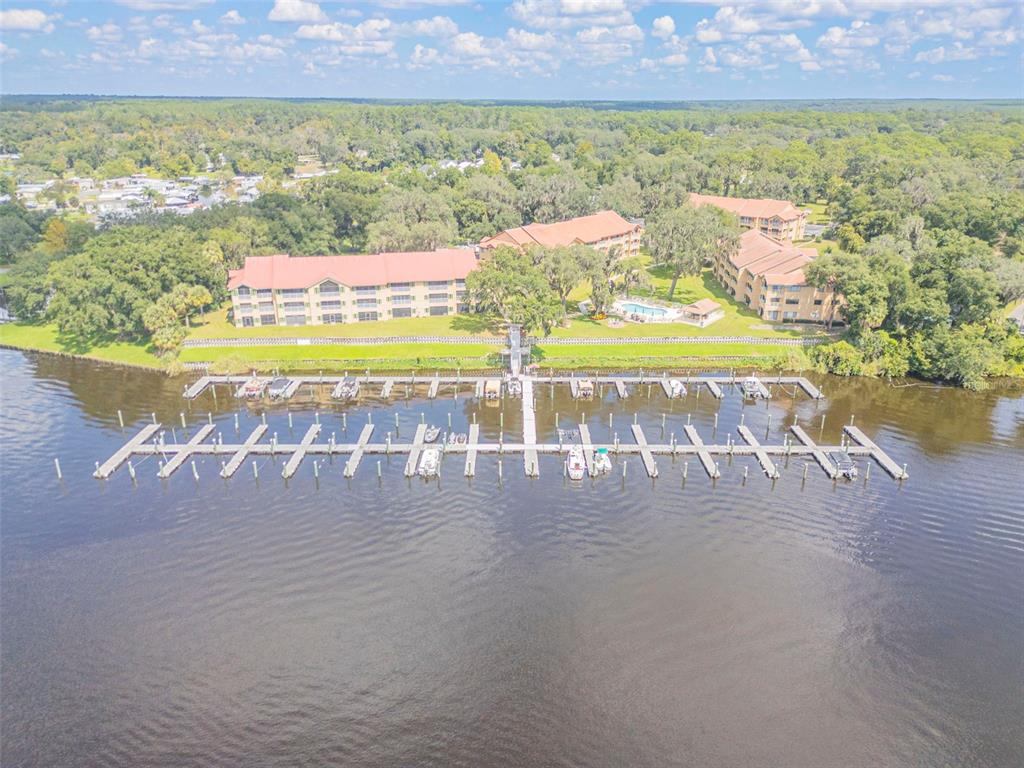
(431, 433)
(602, 461)
(430, 462)
(676, 388)
(844, 464)
(575, 465)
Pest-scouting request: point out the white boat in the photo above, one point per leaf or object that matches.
(602, 462)
(575, 465)
(514, 387)
(431, 433)
(430, 462)
(676, 388)
(252, 388)
(751, 387)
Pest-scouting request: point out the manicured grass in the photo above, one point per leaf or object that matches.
(341, 356)
(46, 338)
(818, 213)
(214, 325)
(738, 320)
(554, 352)
(820, 245)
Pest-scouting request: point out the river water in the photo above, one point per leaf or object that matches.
(523, 623)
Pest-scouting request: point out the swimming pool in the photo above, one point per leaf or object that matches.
(633, 308)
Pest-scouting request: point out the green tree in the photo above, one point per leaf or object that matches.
(683, 239)
(510, 285)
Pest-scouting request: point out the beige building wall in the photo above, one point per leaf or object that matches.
(333, 302)
(777, 302)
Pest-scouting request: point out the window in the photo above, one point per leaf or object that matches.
(267, 309)
(247, 322)
(366, 290)
(817, 302)
(400, 286)
(401, 300)
(329, 289)
(334, 317)
(774, 300)
(789, 315)
(295, 306)
(330, 305)
(794, 288)
(439, 311)
(293, 293)
(435, 284)
(366, 316)
(773, 315)
(460, 296)
(264, 293)
(296, 320)
(268, 320)
(792, 301)
(401, 313)
(460, 283)
(775, 288)
(243, 291)
(366, 302)
(438, 297)
(463, 308)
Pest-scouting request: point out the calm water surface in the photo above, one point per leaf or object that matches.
(528, 623)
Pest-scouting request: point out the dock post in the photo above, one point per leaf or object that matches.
(378, 469)
(195, 472)
(255, 471)
(131, 470)
(806, 465)
(616, 442)
(635, 417)
(769, 424)
(746, 468)
(609, 421)
(662, 422)
(263, 418)
(316, 416)
(501, 419)
(423, 418)
(183, 424)
(556, 418)
(716, 422)
(867, 470)
(120, 418)
(474, 417)
(449, 419)
(396, 422)
(153, 415)
(822, 428)
(56, 465)
(236, 422)
(686, 469)
(290, 425)
(499, 470)
(369, 417)
(904, 470)
(344, 421)
(316, 469)
(387, 444)
(624, 470)
(851, 419)
(689, 415)
(209, 417)
(743, 417)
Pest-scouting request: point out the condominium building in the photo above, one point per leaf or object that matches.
(778, 219)
(768, 276)
(602, 231)
(311, 290)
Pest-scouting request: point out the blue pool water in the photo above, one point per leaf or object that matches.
(642, 309)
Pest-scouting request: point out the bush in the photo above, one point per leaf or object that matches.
(840, 358)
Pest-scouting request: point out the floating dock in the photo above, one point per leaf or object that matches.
(299, 453)
(702, 452)
(620, 389)
(182, 455)
(531, 463)
(414, 451)
(817, 453)
(876, 453)
(240, 455)
(107, 468)
(357, 455)
(385, 391)
(645, 452)
(474, 437)
(588, 449)
(434, 384)
(763, 459)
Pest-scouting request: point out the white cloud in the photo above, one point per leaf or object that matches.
(296, 11)
(943, 78)
(163, 21)
(107, 33)
(569, 14)
(25, 20)
(6, 52)
(523, 40)
(232, 17)
(663, 26)
(163, 5)
(709, 61)
(956, 52)
(996, 38)
(605, 45)
(843, 41)
(404, 4)
(439, 26)
(423, 57)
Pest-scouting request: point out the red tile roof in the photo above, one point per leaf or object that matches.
(702, 307)
(583, 229)
(756, 208)
(780, 263)
(283, 271)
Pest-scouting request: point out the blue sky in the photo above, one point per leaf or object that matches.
(515, 49)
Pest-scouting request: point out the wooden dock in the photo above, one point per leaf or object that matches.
(385, 390)
(357, 455)
(702, 452)
(531, 463)
(819, 455)
(107, 468)
(299, 453)
(414, 451)
(181, 456)
(666, 388)
(713, 388)
(876, 453)
(574, 388)
(434, 384)
(588, 449)
(474, 437)
(478, 390)
(620, 389)
(291, 389)
(240, 455)
(645, 452)
(762, 456)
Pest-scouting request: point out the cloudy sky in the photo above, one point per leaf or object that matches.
(515, 49)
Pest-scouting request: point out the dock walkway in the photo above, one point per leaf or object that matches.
(819, 455)
(106, 469)
(620, 389)
(702, 452)
(880, 456)
(240, 455)
(474, 437)
(181, 456)
(645, 452)
(300, 451)
(588, 449)
(414, 451)
(357, 455)
(531, 464)
(763, 459)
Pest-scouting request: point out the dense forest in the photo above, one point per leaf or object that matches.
(925, 202)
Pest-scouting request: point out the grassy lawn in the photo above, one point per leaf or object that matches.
(341, 357)
(46, 338)
(738, 320)
(820, 245)
(667, 355)
(214, 325)
(818, 213)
